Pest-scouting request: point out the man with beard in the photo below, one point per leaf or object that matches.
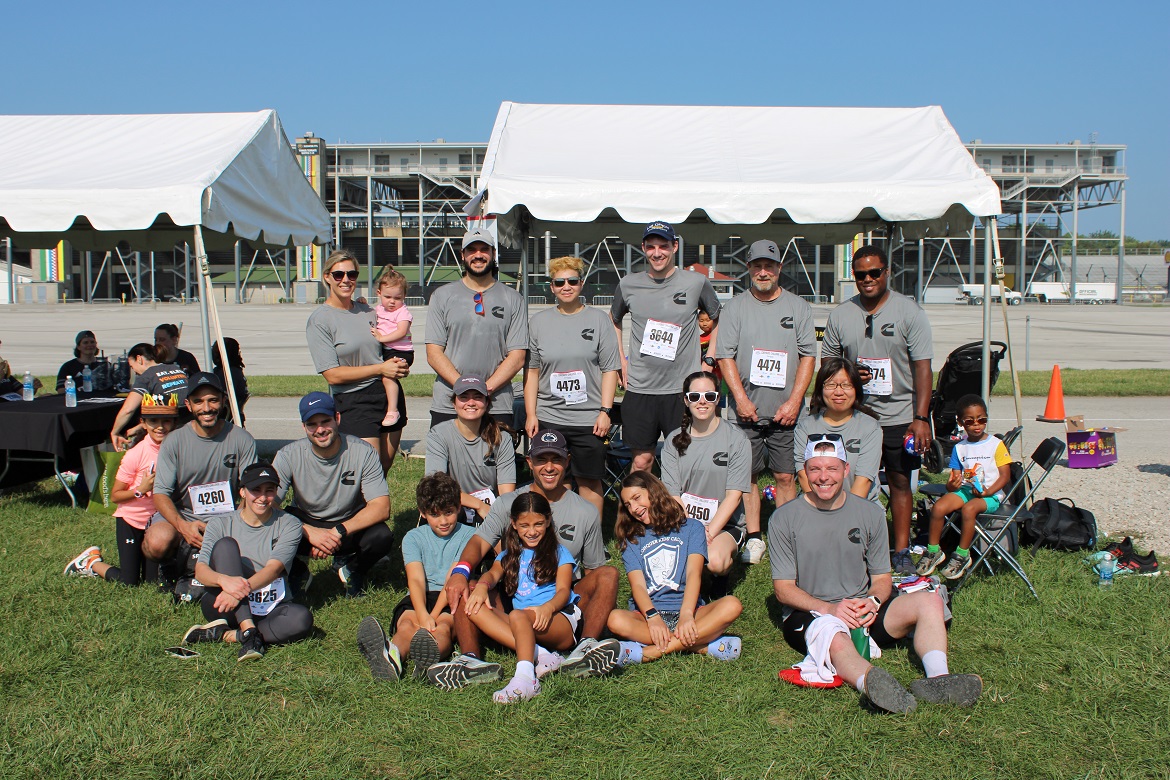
(888, 336)
(340, 497)
(766, 351)
(197, 477)
(476, 326)
(579, 531)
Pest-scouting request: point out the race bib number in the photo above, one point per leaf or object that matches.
(769, 368)
(214, 498)
(485, 495)
(702, 509)
(263, 600)
(660, 339)
(881, 381)
(569, 386)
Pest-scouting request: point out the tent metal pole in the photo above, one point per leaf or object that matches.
(11, 280)
(210, 314)
(817, 273)
(985, 370)
(152, 290)
(186, 272)
(921, 252)
(238, 253)
(370, 235)
(88, 275)
(1120, 248)
(203, 318)
(1072, 282)
(137, 277)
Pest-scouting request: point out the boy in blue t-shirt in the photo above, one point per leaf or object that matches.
(423, 625)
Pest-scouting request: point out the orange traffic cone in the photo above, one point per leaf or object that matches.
(1054, 409)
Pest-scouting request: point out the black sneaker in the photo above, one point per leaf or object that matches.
(886, 693)
(424, 651)
(381, 656)
(1118, 549)
(208, 632)
(962, 690)
(355, 586)
(252, 645)
(301, 578)
(461, 672)
(1145, 565)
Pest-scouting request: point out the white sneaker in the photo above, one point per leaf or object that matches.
(516, 690)
(753, 551)
(83, 564)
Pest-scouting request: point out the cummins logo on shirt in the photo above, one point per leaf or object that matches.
(855, 535)
(566, 532)
(786, 323)
(498, 312)
(229, 461)
(719, 458)
(587, 334)
(347, 478)
(680, 298)
(888, 329)
(853, 445)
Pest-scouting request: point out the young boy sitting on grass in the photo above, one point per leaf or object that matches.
(422, 623)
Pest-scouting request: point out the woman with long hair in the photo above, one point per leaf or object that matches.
(155, 378)
(166, 339)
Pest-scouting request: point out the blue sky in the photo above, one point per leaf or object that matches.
(1018, 72)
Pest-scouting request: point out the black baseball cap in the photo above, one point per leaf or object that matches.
(259, 473)
(204, 379)
(549, 440)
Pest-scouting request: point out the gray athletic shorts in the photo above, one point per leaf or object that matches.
(776, 442)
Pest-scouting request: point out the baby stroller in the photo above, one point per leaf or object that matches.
(962, 374)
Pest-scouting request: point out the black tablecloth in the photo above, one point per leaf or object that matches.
(46, 425)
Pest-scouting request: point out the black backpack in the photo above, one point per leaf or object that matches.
(1060, 526)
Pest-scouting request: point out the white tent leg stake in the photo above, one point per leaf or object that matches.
(207, 305)
(1007, 336)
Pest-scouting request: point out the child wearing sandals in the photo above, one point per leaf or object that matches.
(537, 573)
(422, 623)
(393, 332)
(664, 552)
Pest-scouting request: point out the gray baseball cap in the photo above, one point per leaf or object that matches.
(482, 236)
(764, 250)
(471, 382)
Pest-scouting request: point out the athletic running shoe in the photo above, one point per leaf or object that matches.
(630, 653)
(1145, 565)
(301, 578)
(962, 690)
(341, 564)
(208, 632)
(886, 693)
(902, 563)
(592, 658)
(82, 565)
(929, 561)
(424, 651)
(461, 672)
(753, 551)
(725, 648)
(355, 586)
(792, 675)
(382, 656)
(516, 690)
(1118, 549)
(547, 662)
(956, 567)
(252, 645)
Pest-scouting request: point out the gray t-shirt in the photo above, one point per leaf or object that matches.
(831, 554)
(577, 348)
(331, 490)
(576, 520)
(862, 437)
(901, 333)
(437, 554)
(710, 467)
(476, 344)
(751, 329)
(274, 540)
(342, 338)
(473, 464)
(186, 460)
(674, 301)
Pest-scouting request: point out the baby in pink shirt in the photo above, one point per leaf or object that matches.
(393, 332)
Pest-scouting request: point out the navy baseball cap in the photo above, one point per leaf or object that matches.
(317, 402)
(259, 473)
(660, 229)
(204, 379)
(549, 440)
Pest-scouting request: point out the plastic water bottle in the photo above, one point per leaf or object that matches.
(87, 380)
(29, 389)
(70, 393)
(1105, 569)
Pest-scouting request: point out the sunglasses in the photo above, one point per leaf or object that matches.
(339, 275)
(572, 282)
(974, 421)
(824, 437)
(710, 396)
(478, 299)
(873, 273)
(869, 326)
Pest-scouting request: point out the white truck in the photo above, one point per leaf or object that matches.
(1087, 292)
(973, 294)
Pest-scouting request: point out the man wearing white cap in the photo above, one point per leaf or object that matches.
(843, 585)
(476, 326)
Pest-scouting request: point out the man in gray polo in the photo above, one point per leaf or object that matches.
(476, 326)
(767, 350)
(663, 304)
(888, 336)
(339, 495)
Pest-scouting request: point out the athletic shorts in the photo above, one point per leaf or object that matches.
(362, 411)
(398, 353)
(587, 451)
(406, 605)
(736, 532)
(647, 418)
(798, 622)
(894, 456)
(967, 492)
(774, 441)
(572, 613)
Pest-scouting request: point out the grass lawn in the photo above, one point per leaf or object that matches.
(1075, 686)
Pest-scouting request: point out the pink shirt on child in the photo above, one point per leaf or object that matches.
(388, 322)
(136, 465)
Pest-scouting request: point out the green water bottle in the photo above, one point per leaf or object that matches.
(860, 637)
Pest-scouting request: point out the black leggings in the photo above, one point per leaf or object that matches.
(287, 622)
(134, 567)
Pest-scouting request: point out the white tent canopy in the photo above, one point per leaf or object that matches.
(148, 179)
(584, 171)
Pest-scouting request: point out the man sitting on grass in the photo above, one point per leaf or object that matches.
(831, 571)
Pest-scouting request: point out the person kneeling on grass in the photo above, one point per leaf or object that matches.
(422, 622)
(242, 563)
(537, 574)
(664, 552)
(980, 469)
(831, 572)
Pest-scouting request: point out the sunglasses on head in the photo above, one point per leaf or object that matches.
(824, 437)
(974, 421)
(478, 299)
(710, 396)
(572, 281)
(339, 275)
(873, 273)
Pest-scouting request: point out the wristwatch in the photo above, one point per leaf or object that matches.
(650, 613)
(607, 409)
(341, 530)
(709, 361)
(920, 417)
(139, 494)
